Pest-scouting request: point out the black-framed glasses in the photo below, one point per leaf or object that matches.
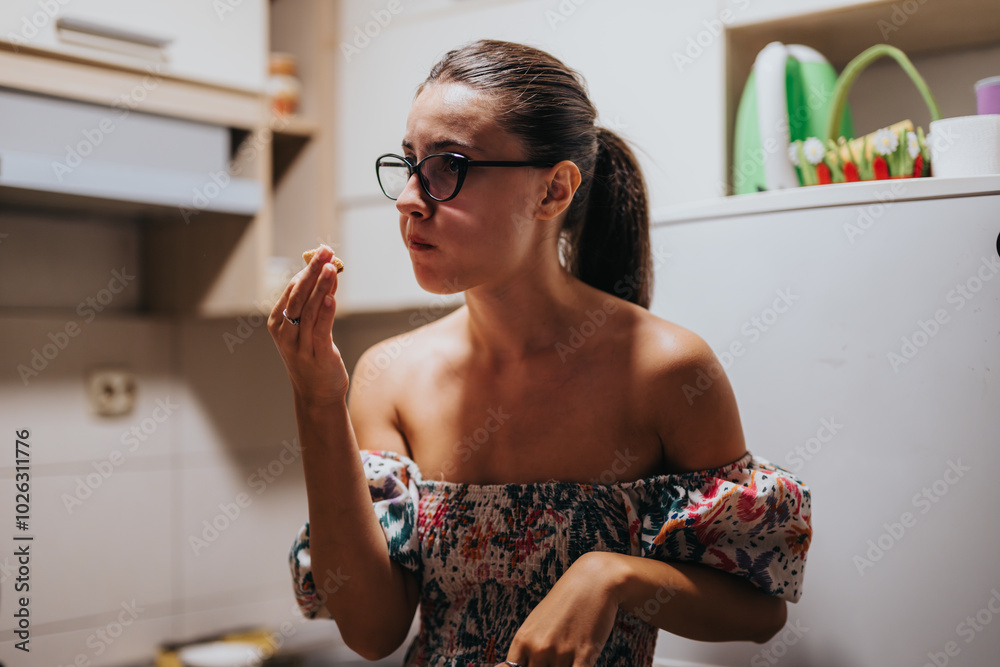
(440, 175)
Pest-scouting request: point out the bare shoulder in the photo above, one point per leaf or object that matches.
(372, 399)
(691, 401)
(380, 377)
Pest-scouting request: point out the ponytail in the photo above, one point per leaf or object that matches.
(604, 240)
(609, 247)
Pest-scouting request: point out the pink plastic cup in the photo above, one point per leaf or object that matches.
(988, 96)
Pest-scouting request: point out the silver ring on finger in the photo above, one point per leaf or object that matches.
(512, 664)
(294, 321)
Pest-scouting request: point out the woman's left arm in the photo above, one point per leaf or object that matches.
(571, 625)
(691, 600)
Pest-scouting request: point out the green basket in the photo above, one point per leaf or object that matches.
(887, 153)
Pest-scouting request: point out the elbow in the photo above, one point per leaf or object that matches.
(373, 640)
(372, 653)
(773, 616)
(369, 645)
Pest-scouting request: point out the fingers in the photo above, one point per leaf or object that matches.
(276, 318)
(306, 283)
(323, 349)
(297, 292)
(317, 316)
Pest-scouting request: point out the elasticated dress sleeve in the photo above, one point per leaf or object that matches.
(392, 483)
(751, 518)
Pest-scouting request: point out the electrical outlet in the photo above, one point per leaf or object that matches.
(111, 391)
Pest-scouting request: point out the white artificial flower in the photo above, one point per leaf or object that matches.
(793, 153)
(814, 150)
(885, 141)
(912, 144)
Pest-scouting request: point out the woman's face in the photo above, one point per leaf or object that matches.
(487, 232)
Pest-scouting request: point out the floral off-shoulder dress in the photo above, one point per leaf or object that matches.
(486, 555)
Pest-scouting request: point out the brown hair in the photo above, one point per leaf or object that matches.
(604, 239)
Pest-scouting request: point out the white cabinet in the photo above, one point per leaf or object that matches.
(221, 43)
(865, 360)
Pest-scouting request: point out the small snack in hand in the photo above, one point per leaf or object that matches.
(309, 254)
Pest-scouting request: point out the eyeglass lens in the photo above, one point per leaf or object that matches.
(438, 174)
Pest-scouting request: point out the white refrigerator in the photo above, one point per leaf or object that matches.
(860, 327)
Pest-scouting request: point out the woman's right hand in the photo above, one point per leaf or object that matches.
(315, 367)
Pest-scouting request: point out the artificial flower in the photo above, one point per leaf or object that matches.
(793, 153)
(881, 168)
(885, 141)
(823, 174)
(912, 144)
(814, 151)
(850, 172)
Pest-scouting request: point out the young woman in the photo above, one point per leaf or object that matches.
(550, 471)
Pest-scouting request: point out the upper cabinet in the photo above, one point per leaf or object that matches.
(222, 43)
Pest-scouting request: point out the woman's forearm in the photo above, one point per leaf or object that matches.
(695, 601)
(371, 598)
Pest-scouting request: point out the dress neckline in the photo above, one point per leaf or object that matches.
(741, 462)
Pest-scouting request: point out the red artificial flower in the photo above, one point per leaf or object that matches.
(918, 166)
(881, 168)
(823, 174)
(851, 173)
